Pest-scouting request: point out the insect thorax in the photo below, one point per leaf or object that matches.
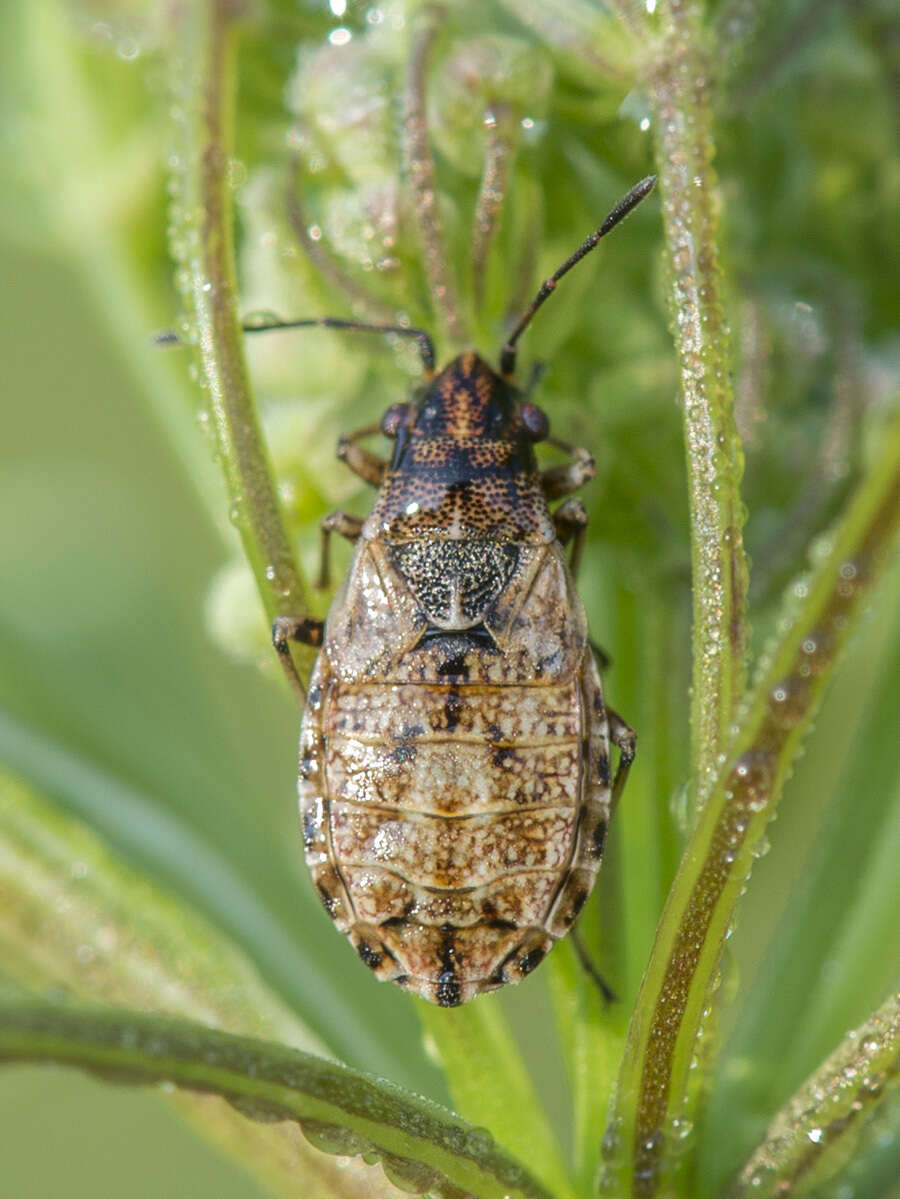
(463, 466)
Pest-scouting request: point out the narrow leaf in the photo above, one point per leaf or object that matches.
(820, 613)
(422, 1146)
(811, 1137)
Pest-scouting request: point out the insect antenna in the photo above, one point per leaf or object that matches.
(621, 210)
(268, 323)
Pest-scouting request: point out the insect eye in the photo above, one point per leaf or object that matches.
(535, 421)
(394, 419)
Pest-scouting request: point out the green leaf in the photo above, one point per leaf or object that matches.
(812, 1137)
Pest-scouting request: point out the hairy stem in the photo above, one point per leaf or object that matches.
(677, 73)
(490, 1084)
(421, 1146)
(420, 171)
(204, 86)
(499, 150)
(806, 1142)
(820, 613)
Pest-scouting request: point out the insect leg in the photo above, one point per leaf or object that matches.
(337, 522)
(589, 967)
(604, 661)
(363, 463)
(571, 520)
(291, 628)
(623, 736)
(562, 480)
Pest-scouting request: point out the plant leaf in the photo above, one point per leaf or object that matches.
(422, 1146)
(812, 1136)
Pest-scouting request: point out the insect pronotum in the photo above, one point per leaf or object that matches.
(455, 782)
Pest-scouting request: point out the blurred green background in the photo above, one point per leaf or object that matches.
(116, 696)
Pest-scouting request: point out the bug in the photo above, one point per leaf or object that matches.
(455, 782)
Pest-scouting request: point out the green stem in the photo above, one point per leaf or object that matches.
(807, 1141)
(203, 242)
(490, 1084)
(680, 977)
(421, 1146)
(677, 74)
(420, 170)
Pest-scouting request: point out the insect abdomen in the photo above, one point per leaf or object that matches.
(448, 827)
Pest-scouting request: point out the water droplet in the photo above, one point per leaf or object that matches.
(790, 701)
(128, 48)
(479, 1140)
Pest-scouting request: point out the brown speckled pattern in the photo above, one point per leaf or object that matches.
(454, 773)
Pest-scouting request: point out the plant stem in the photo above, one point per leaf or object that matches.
(422, 1146)
(819, 614)
(203, 242)
(490, 1084)
(677, 74)
(499, 151)
(806, 1141)
(423, 184)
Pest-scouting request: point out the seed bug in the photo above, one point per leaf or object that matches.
(455, 783)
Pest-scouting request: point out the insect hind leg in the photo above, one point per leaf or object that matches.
(590, 968)
(624, 738)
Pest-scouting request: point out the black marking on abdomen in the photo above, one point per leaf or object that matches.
(370, 956)
(448, 989)
(454, 667)
(598, 840)
(452, 709)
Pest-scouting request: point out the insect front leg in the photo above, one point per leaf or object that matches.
(361, 461)
(336, 522)
(624, 738)
(558, 481)
(292, 628)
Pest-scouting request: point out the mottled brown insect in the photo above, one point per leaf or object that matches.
(455, 786)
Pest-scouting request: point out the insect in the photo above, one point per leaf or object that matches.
(455, 782)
